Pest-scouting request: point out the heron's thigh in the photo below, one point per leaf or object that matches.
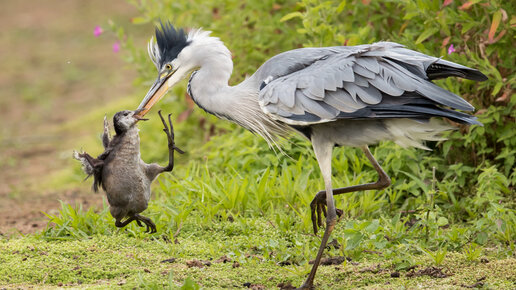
(356, 133)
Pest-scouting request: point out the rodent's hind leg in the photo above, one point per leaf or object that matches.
(151, 227)
(120, 224)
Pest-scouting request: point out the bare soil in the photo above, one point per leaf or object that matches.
(53, 71)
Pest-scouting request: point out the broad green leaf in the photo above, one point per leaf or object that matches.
(291, 16)
(497, 88)
(442, 221)
(371, 228)
(497, 17)
(426, 34)
(341, 6)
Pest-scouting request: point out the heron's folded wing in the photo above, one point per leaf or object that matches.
(341, 82)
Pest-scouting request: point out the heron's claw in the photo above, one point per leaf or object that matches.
(318, 210)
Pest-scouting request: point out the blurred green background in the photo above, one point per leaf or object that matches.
(55, 71)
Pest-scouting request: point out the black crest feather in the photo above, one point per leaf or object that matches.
(170, 42)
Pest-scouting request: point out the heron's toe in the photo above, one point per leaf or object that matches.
(339, 212)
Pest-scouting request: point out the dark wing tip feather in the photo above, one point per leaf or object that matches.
(476, 75)
(439, 70)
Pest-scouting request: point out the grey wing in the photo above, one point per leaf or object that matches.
(381, 80)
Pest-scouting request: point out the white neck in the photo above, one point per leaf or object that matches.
(209, 88)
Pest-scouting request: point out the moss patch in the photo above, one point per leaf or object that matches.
(260, 249)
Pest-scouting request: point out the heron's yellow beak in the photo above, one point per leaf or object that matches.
(137, 116)
(156, 92)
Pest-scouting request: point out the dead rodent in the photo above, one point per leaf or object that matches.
(120, 171)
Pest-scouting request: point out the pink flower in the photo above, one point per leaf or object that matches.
(97, 31)
(116, 47)
(447, 2)
(451, 49)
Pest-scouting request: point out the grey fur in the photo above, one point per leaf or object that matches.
(123, 175)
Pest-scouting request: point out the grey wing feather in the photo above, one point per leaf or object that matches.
(343, 101)
(321, 84)
(360, 70)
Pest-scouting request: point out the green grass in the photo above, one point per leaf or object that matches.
(253, 206)
(416, 222)
(129, 258)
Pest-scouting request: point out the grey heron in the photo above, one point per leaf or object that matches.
(335, 96)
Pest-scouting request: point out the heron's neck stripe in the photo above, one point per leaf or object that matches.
(189, 90)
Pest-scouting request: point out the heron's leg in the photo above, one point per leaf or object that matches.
(169, 131)
(318, 204)
(151, 227)
(323, 150)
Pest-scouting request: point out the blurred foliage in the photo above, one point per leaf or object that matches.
(481, 32)
(460, 196)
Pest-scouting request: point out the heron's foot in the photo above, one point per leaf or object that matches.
(318, 210)
(169, 131)
(151, 227)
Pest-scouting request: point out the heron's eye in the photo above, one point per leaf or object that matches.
(168, 66)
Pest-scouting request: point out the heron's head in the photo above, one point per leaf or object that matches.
(174, 59)
(124, 120)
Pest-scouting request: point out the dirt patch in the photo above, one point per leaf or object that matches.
(198, 264)
(478, 284)
(254, 286)
(432, 271)
(373, 269)
(25, 214)
(223, 259)
(286, 286)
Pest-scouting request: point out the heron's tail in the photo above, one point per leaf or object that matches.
(409, 132)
